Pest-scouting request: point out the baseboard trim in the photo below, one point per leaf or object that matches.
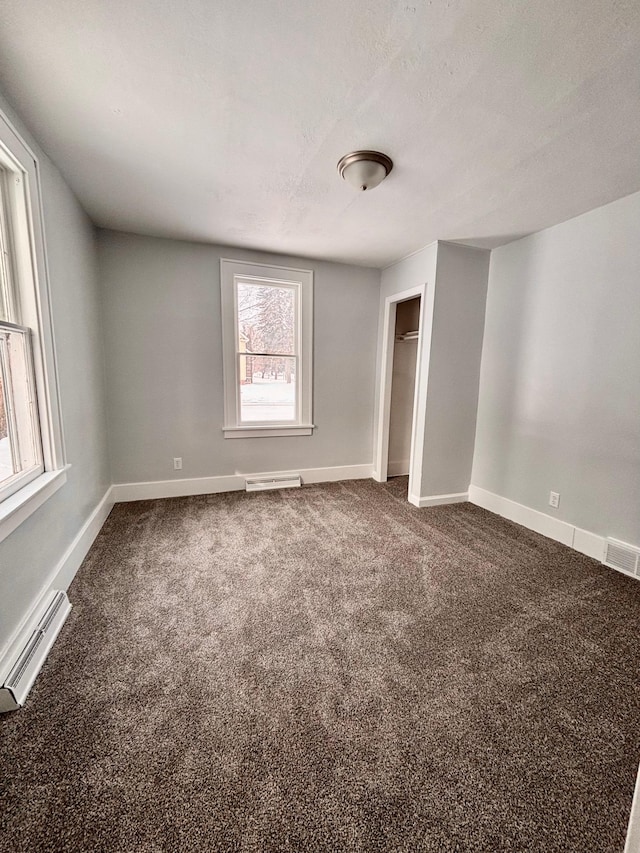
(123, 492)
(632, 844)
(68, 565)
(584, 541)
(437, 500)
(60, 578)
(588, 543)
(548, 526)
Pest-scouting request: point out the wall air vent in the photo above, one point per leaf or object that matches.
(262, 484)
(621, 556)
(28, 664)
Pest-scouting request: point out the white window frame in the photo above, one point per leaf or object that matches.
(301, 281)
(32, 309)
(18, 481)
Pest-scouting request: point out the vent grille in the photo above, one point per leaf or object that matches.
(261, 484)
(29, 662)
(623, 557)
(22, 664)
(30, 650)
(52, 611)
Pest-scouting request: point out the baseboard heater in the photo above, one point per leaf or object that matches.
(262, 484)
(18, 683)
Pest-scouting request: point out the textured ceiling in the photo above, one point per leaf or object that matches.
(223, 121)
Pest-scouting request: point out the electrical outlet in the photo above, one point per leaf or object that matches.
(554, 499)
(177, 463)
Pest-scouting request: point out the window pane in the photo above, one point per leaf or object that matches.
(6, 460)
(19, 438)
(266, 318)
(6, 313)
(267, 388)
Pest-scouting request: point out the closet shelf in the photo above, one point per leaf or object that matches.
(408, 336)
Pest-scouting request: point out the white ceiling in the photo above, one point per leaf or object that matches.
(223, 120)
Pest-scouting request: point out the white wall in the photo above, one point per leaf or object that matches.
(30, 554)
(559, 404)
(164, 363)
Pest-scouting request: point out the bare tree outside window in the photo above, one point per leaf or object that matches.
(267, 351)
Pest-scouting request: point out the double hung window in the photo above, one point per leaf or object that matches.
(31, 452)
(267, 329)
(20, 447)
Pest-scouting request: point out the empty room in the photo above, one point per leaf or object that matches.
(319, 426)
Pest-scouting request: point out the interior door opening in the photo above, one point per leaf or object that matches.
(403, 384)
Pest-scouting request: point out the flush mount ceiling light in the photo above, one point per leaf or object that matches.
(364, 170)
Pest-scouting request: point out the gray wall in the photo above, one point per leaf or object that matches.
(29, 555)
(559, 401)
(413, 271)
(162, 332)
(454, 369)
(450, 360)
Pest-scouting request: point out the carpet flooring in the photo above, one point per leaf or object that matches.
(329, 669)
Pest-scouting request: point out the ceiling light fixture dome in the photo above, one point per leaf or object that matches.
(364, 170)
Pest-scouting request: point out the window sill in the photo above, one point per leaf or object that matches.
(18, 507)
(267, 431)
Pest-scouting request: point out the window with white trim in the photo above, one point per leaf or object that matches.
(20, 447)
(267, 319)
(31, 452)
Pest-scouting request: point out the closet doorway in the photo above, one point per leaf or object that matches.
(401, 406)
(403, 385)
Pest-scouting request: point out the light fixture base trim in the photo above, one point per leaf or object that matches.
(366, 156)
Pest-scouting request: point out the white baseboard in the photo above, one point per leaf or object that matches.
(122, 492)
(561, 531)
(71, 560)
(153, 489)
(59, 578)
(632, 844)
(398, 469)
(580, 540)
(436, 500)
(588, 543)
